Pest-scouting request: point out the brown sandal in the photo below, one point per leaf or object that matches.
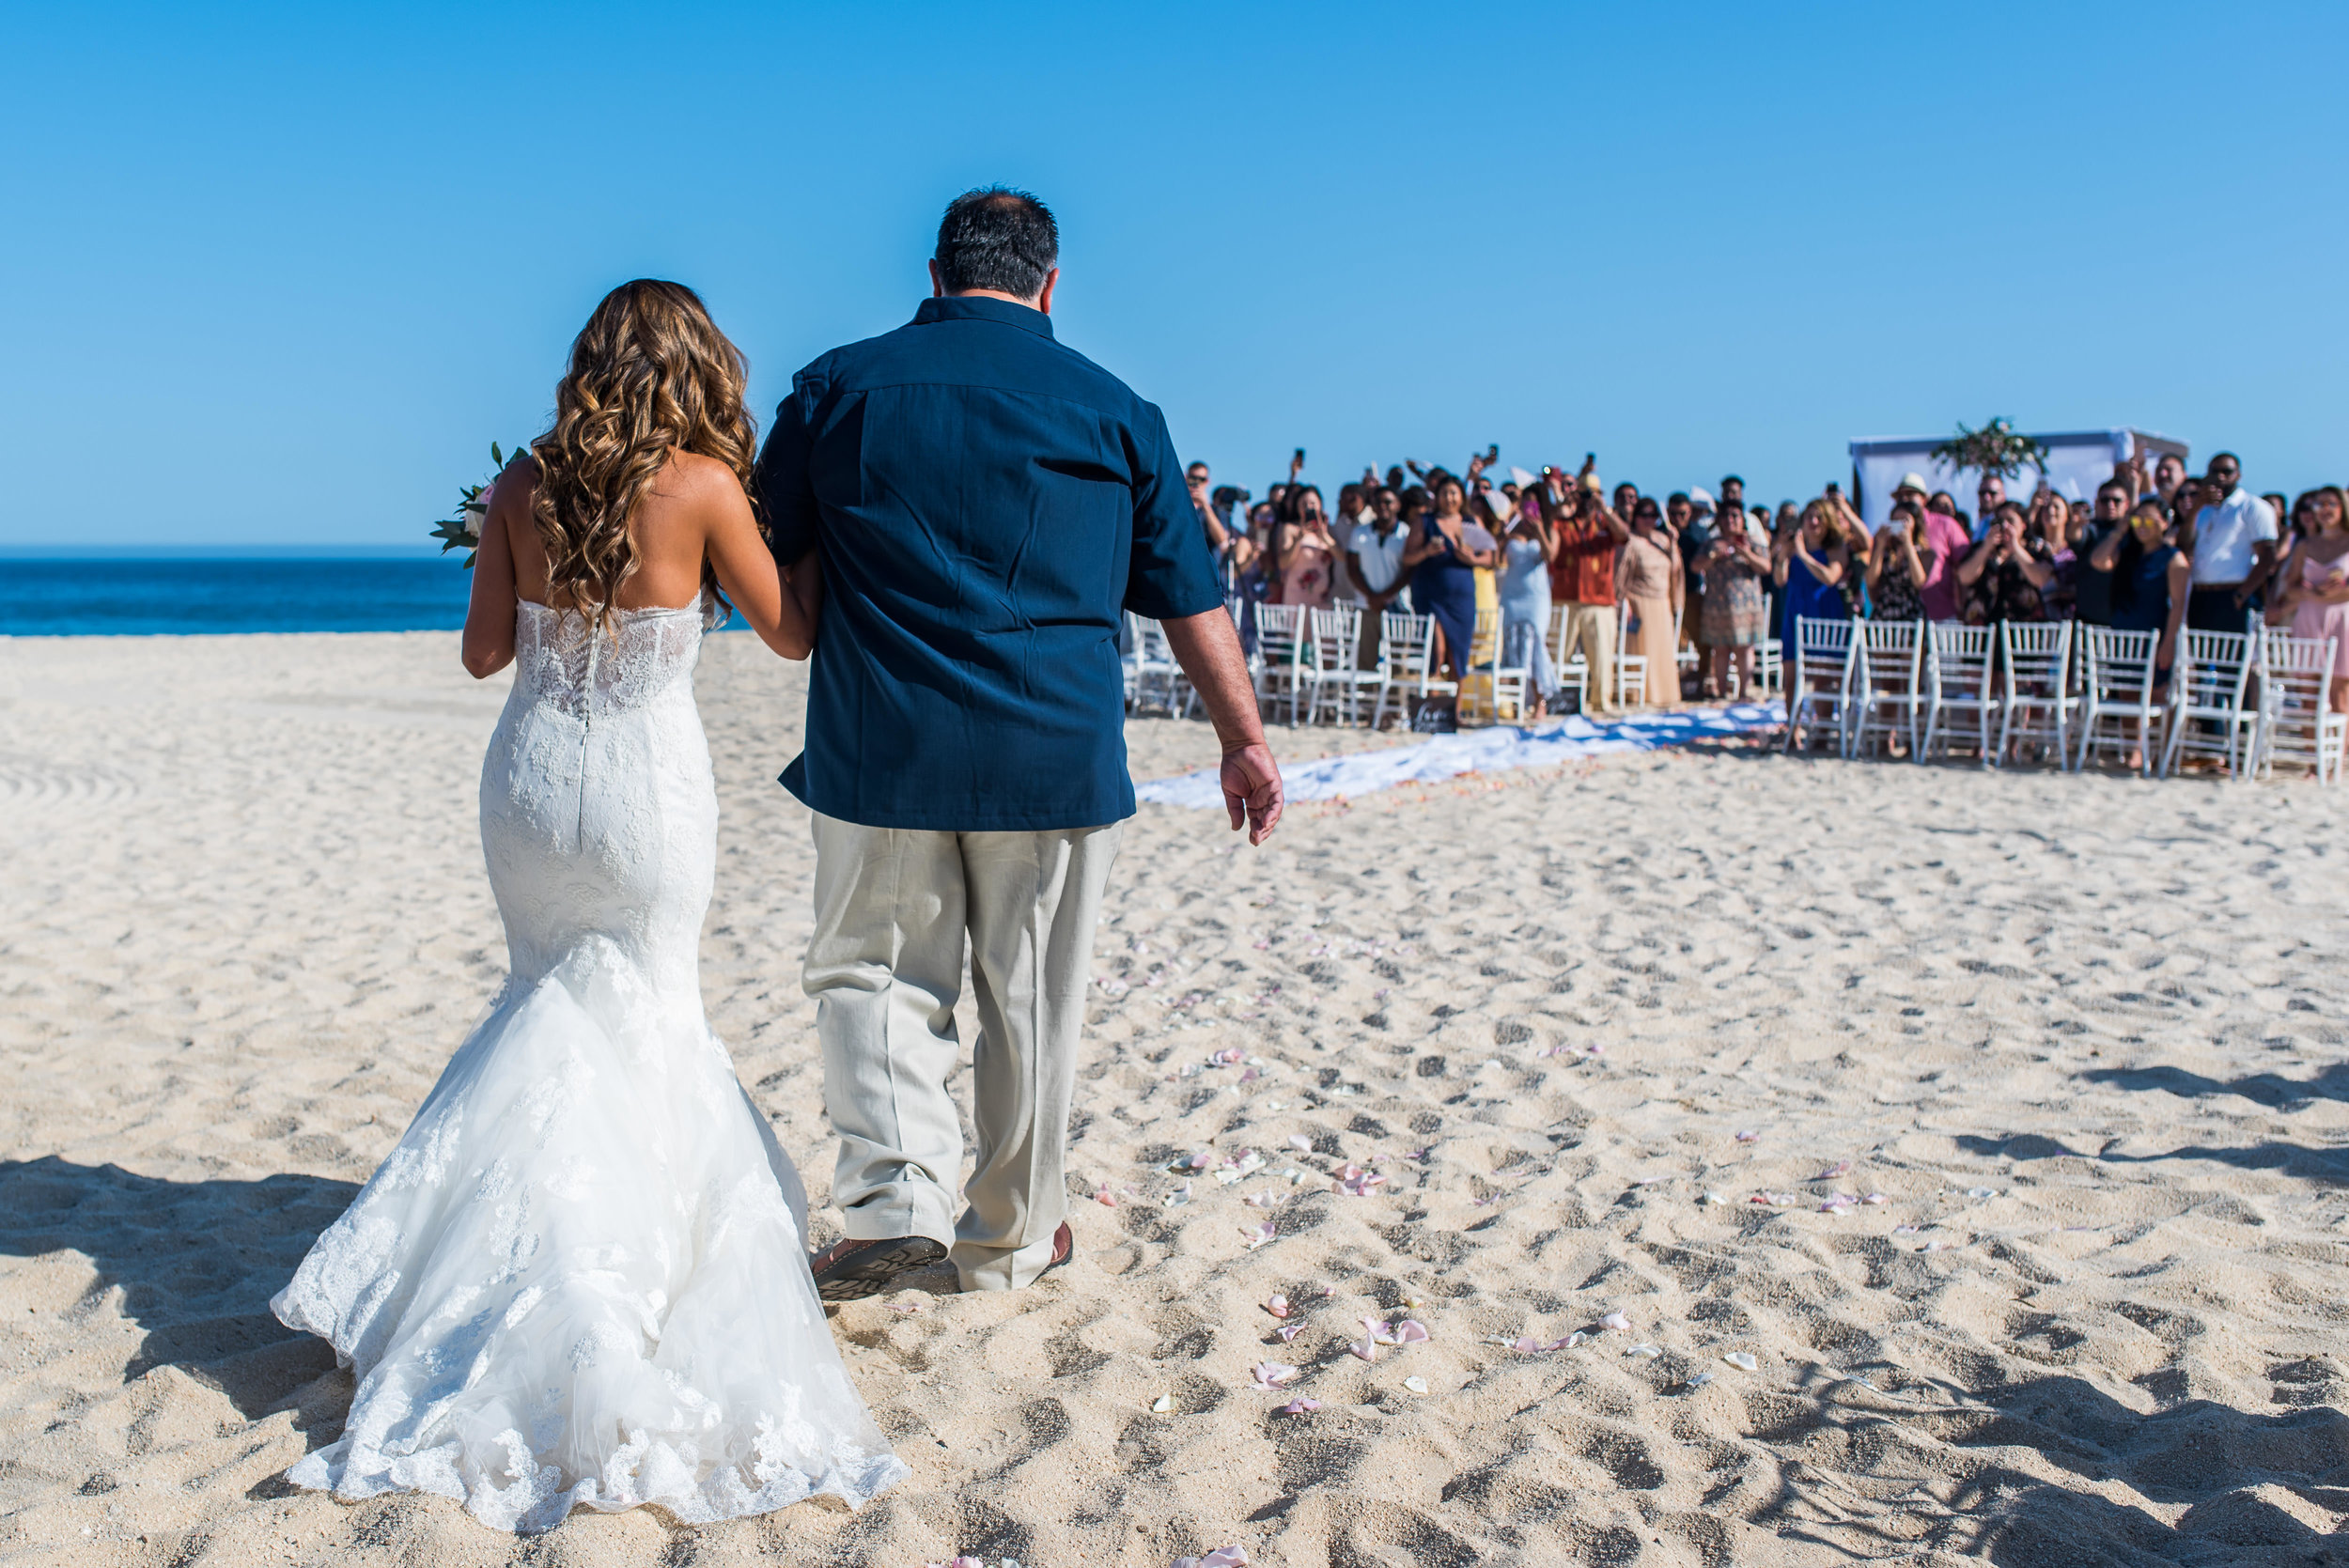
(851, 1269)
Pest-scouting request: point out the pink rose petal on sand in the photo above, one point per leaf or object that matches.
(1876, 1198)
(1289, 1331)
(1366, 1349)
(1842, 1167)
(1299, 1407)
(1223, 1556)
(1278, 1305)
(1271, 1374)
(1410, 1332)
(1615, 1320)
(1104, 1197)
(1747, 1136)
(1259, 1234)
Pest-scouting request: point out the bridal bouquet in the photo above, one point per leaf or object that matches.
(464, 531)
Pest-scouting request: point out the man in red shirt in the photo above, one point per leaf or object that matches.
(1582, 579)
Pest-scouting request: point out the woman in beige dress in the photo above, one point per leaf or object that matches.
(1648, 575)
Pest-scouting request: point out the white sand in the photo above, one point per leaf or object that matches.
(245, 922)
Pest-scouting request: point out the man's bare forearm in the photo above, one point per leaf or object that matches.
(1206, 645)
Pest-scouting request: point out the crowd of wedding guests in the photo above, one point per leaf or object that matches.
(2154, 549)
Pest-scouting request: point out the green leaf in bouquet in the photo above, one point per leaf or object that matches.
(497, 458)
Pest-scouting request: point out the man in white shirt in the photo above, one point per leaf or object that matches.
(2232, 546)
(1374, 561)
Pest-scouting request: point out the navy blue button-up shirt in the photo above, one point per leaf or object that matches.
(986, 502)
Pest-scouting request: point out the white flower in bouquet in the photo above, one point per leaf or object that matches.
(464, 531)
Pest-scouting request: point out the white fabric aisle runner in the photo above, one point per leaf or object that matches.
(1487, 751)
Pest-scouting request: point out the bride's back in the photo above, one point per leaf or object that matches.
(669, 530)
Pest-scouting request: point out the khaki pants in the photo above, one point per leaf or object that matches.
(1592, 628)
(885, 969)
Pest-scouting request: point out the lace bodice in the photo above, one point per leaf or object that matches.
(568, 664)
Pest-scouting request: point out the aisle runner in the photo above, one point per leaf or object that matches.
(1477, 751)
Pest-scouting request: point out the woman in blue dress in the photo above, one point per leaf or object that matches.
(1811, 566)
(1442, 562)
(2149, 581)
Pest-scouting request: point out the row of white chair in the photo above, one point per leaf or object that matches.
(1307, 659)
(2243, 698)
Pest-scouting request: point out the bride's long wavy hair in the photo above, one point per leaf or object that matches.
(650, 374)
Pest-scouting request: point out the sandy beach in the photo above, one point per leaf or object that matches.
(2072, 1046)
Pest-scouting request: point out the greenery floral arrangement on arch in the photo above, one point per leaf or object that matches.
(464, 531)
(1996, 448)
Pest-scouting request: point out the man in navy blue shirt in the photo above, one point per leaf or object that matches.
(984, 504)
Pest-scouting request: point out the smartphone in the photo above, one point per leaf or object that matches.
(1301, 453)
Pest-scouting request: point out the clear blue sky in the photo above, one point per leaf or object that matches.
(279, 275)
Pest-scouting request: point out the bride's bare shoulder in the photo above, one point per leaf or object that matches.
(513, 485)
(695, 479)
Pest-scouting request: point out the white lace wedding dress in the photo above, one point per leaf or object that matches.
(579, 1280)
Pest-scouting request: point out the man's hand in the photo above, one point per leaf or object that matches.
(1206, 645)
(1251, 790)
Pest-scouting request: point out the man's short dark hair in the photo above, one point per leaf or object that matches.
(2113, 485)
(997, 239)
(1733, 479)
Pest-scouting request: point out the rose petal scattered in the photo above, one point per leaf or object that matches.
(1876, 1198)
(1615, 1320)
(1277, 1304)
(1104, 1197)
(1304, 1145)
(1271, 1374)
(1747, 1136)
(1162, 1403)
(1649, 1351)
(1223, 1556)
(1699, 1381)
(1410, 1332)
(1289, 1331)
(1301, 1406)
(1842, 1167)
(1742, 1362)
(1417, 1385)
(1981, 1192)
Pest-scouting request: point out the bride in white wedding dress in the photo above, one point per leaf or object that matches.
(581, 1277)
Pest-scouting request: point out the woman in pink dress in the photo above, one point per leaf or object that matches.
(1308, 555)
(2316, 583)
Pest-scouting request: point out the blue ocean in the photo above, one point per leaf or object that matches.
(60, 595)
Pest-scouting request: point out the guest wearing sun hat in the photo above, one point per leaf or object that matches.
(1949, 541)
